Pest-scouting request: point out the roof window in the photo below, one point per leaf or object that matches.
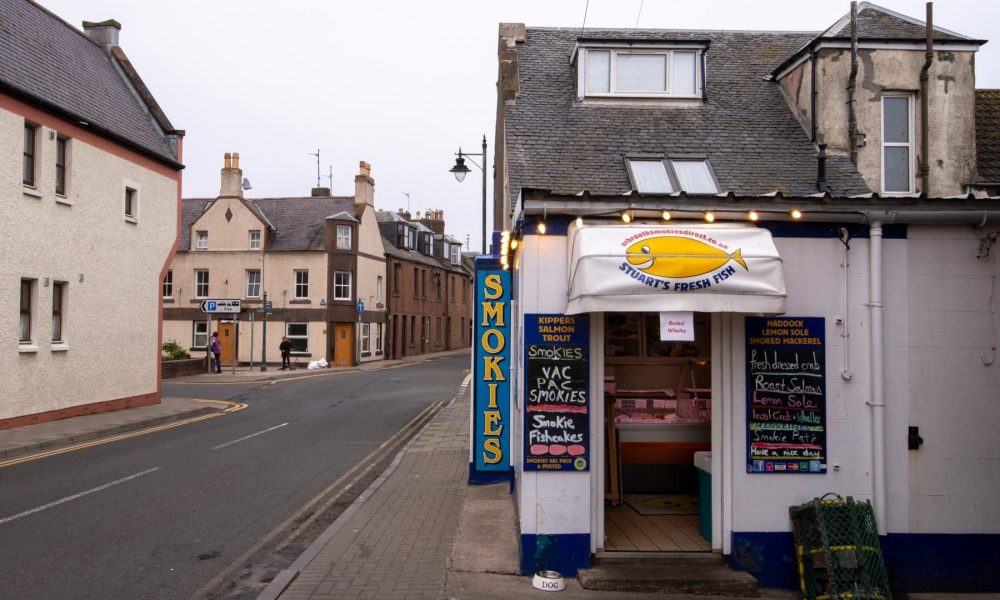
(656, 175)
(640, 72)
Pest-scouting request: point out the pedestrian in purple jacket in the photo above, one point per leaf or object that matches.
(217, 351)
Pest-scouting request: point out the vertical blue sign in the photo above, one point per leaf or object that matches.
(491, 371)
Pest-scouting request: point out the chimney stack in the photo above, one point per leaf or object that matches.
(104, 33)
(232, 177)
(433, 220)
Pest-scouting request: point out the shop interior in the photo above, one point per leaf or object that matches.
(658, 413)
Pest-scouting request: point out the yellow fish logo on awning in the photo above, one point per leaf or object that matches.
(675, 256)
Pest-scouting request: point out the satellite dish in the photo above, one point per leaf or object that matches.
(246, 184)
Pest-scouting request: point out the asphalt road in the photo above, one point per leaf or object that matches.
(202, 510)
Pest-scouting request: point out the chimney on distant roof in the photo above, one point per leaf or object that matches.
(364, 188)
(104, 33)
(232, 177)
(321, 192)
(433, 220)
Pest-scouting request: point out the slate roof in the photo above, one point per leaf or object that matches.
(388, 219)
(745, 128)
(988, 136)
(299, 223)
(48, 62)
(878, 23)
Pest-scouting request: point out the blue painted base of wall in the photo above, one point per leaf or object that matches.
(488, 477)
(959, 563)
(768, 556)
(564, 552)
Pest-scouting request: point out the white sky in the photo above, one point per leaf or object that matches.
(398, 83)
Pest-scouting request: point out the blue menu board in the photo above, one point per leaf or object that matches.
(786, 395)
(556, 392)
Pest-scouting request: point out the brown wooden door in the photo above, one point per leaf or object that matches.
(227, 337)
(343, 344)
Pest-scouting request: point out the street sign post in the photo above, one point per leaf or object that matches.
(226, 306)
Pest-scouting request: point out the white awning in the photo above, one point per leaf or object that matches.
(674, 267)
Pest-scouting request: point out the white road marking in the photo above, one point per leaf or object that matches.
(99, 488)
(248, 436)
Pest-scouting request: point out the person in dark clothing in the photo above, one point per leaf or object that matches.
(217, 351)
(286, 353)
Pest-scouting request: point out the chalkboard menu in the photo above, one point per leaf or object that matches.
(556, 393)
(786, 395)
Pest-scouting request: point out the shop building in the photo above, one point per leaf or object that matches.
(314, 266)
(728, 286)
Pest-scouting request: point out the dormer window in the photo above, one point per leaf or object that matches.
(428, 244)
(456, 254)
(656, 175)
(649, 71)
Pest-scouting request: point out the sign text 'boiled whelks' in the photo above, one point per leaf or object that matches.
(557, 403)
(491, 435)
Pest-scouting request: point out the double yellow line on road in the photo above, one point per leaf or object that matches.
(225, 406)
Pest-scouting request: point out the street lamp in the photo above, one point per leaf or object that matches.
(460, 171)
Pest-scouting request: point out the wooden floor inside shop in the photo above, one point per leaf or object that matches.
(625, 530)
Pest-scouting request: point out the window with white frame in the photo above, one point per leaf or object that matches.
(199, 335)
(255, 239)
(253, 283)
(343, 237)
(427, 247)
(28, 156)
(27, 310)
(58, 310)
(411, 238)
(168, 284)
(131, 204)
(301, 284)
(366, 339)
(202, 237)
(649, 176)
(378, 338)
(456, 254)
(342, 285)
(655, 72)
(655, 175)
(298, 336)
(694, 176)
(378, 289)
(897, 144)
(201, 283)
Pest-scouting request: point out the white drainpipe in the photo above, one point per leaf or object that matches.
(877, 402)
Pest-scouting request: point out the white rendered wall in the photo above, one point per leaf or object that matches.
(550, 502)
(954, 478)
(111, 268)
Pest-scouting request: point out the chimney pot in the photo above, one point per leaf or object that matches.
(228, 161)
(236, 160)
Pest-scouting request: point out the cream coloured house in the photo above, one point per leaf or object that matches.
(90, 185)
(318, 260)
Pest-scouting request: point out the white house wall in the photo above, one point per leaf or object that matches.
(111, 267)
(557, 502)
(937, 334)
(954, 479)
